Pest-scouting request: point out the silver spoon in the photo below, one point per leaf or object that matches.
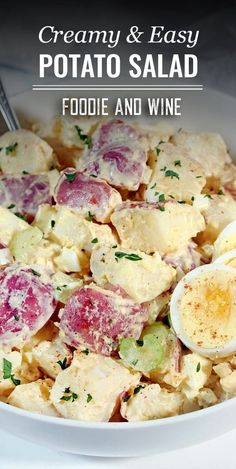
(7, 111)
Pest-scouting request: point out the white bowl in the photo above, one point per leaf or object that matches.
(120, 439)
(202, 111)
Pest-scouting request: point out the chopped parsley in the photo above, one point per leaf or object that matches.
(89, 397)
(53, 223)
(134, 362)
(126, 398)
(193, 198)
(120, 254)
(139, 342)
(177, 163)
(197, 177)
(133, 257)
(63, 363)
(16, 317)
(24, 172)
(220, 192)
(93, 175)
(158, 149)
(164, 169)
(181, 201)
(130, 257)
(198, 367)
(69, 395)
(90, 216)
(94, 240)
(11, 206)
(60, 288)
(154, 185)
(162, 209)
(15, 381)
(138, 389)
(161, 198)
(209, 196)
(85, 351)
(7, 368)
(70, 176)
(11, 148)
(7, 372)
(86, 139)
(115, 246)
(19, 215)
(171, 174)
(156, 193)
(34, 272)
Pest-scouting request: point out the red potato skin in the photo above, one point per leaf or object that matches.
(117, 154)
(114, 131)
(115, 164)
(26, 304)
(96, 319)
(25, 193)
(84, 193)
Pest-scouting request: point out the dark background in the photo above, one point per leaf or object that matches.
(20, 24)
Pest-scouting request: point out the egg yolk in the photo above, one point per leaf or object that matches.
(219, 303)
(208, 309)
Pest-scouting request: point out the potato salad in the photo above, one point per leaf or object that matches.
(117, 270)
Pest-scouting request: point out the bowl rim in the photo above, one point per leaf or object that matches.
(126, 426)
(117, 425)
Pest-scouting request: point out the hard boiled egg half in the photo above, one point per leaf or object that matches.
(226, 240)
(203, 310)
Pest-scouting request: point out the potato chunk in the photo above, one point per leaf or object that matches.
(151, 402)
(162, 227)
(21, 150)
(143, 279)
(89, 389)
(62, 134)
(174, 175)
(84, 195)
(9, 225)
(196, 371)
(97, 318)
(208, 149)
(24, 243)
(34, 397)
(47, 355)
(218, 210)
(69, 229)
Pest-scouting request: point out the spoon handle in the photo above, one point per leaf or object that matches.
(7, 111)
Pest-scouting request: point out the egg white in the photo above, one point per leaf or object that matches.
(227, 349)
(226, 258)
(227, 231)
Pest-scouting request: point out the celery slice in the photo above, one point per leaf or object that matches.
(158, 329)
(142, 355)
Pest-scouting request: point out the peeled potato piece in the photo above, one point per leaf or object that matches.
(21, 150)
(34, 397)
(89, 389)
